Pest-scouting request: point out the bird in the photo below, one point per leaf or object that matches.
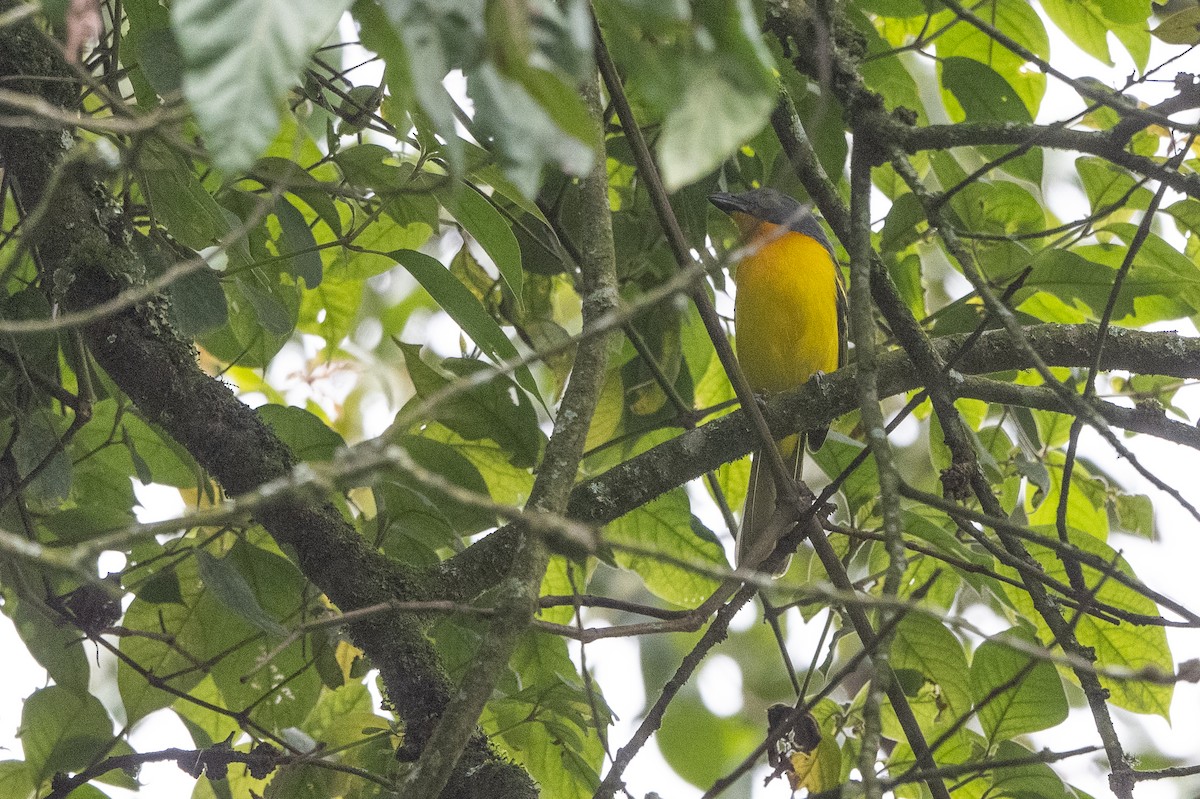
(789, 325)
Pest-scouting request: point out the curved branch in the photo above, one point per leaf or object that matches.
(686, 457)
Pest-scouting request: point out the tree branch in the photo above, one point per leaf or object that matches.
(517, 595)
(89, 254)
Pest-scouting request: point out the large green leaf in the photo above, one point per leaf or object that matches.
(200, 627)
(1029, 780)
(665, 526)
(270, 594)
(1020, 22)
(231, 589)
(450, 465)
(62, 730)
(701, 746)
(1149, 293)
(923, 644)
(1120, 645)
(726, 95)
(178, 200)
(57, 647)
(1000, 207)
(1182, 27)
(16, 781)
(1086, 502)
(984, 95)
(1034, 700)
(240, 58)
(35, 452)
(1088, 22)
(524, 134)
(1108, 184)
(297, 244)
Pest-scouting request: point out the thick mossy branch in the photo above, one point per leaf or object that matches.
(688, 456)
(84, 256)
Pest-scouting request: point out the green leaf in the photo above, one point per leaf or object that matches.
(267, 588)
(178, 200)
(1182, 27)
(62, 730)
(15, 780)
(1000, 207)
(923, 644)
(411, 525)
(1126, 12)
(200, 626)
(57, 647)
(1032, 700)
(222, 579)
(894, 8)
(341, 715)
(861, 488)
(712, 119)
(488, 226)
(524, 135)
(1030, 780)
(307, 436)
(1121, 645)
(561, 101)
(331, 309)
(198, 303)
(884, 72)
(273, 171)
(167, 461)
(1088, 22)
(901, 227)
(197, 299)
(1107, 184)
(1136, 38)
(984, 95)
(150, 44)
(543, 717)
(1020, 22)
(1083, 24)
(701, 746)
(1187, 215)
(1135, 514)
(241, 57)
(36, 444)
(1149, 292)
(269, 302)
(493, 410)
(664, 525)
(1085, 504)
(296, 241)
(449, 464)
(462, 306)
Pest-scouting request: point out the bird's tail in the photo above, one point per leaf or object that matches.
(758, 537)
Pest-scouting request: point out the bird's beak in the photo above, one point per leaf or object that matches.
(729, 203)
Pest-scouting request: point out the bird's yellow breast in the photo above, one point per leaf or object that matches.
(785, 310)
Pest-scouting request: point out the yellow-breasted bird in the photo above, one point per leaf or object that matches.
(790, 323)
